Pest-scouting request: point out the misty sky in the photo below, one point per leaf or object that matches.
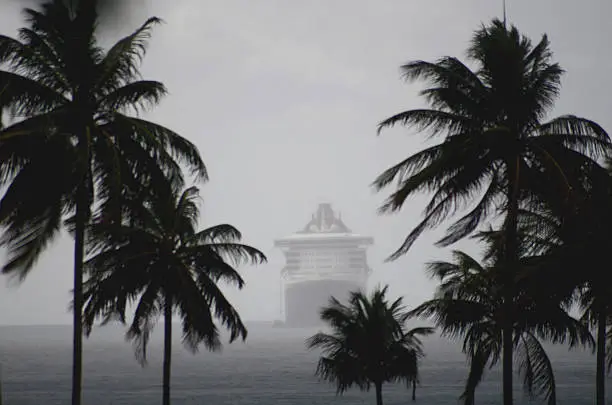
(283, 97)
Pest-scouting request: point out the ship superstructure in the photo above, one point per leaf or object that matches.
(323, 259)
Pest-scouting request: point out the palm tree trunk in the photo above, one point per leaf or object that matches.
(511, 259)
(413, 390)
(77, 320)
(507, 363)
(378, 388)
(600, 379)
(167, 349)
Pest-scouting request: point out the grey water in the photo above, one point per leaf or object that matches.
(271, 367)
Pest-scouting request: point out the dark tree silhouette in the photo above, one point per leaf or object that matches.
(468, 305)
(159, 261)
(490, 120)
(574, 240)
(72, 139)
(369, 344)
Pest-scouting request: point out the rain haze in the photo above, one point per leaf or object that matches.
(283, 98)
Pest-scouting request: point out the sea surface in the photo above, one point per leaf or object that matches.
(272, 367)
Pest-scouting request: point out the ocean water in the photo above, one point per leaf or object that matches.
(272, 367)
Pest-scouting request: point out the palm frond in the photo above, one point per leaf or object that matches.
(447, 72)
(30, 224)
(451, 316)
(467, 224)
(33, 59)
(27, 97)
(536, 368)
(120, 65)
(575, 126)
(237, 253)
(209, 263)
(222, 233)
(44, 58)
(157, 137)
(428, 120)
(197, 304)
(609, 350)
(147, 311)
(478, 364)
(326, 342)
(441, 269)
(342, 370)
(187, 212)
(27, 240)
(137, 96)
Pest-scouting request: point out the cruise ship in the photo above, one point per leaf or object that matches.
(323, 259)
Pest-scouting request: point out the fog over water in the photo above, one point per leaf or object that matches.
(282, 99)
(271, 367)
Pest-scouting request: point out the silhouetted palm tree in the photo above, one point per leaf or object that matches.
(469, 304)
(73, 140)
(575, 241)
(591, 244)
(369, 343)
(491, 121)
(158, 261)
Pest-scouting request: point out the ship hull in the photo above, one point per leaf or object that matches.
(304, 300)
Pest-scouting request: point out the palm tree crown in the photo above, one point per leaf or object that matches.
(70, 99)
(490, 120)
(160, 256)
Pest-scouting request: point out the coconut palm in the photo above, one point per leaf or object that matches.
(158, 261)
(494, 139)
(369, 343)
(570, 234)
(576, 236)
(73, 138)
(469, 304)
(589, 245)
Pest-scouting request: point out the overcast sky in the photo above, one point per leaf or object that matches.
(283, 97)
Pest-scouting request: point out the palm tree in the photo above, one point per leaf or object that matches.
(159, 261)
(73, 139)
(570, 234)
(494, 140)
(369, 343)
(469, 305)
(579, 237)
(590, 248)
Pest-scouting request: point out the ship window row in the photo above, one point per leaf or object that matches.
(334, 269)
(318, 252)
(322, 262)
(323, 272)
(322, 255)
(339, 254)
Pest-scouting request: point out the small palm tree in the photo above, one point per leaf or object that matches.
(74, 137)
(468, 305)
(590, 248)
(575, 234)
(494, 138)
(157, 260)
(369, 345)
